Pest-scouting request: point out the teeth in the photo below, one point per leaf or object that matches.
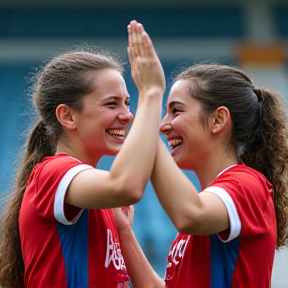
(174, 142)
(116, 132)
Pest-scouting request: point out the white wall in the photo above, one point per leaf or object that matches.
(280, 271)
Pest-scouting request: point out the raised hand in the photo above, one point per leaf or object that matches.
(146, 69)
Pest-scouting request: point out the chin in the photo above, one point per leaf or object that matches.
(113, 152)
(183, 164)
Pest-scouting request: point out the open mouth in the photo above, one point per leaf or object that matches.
(173, 143)
(117, 133)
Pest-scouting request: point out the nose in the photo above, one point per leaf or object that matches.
(125, 117)
(165, 126)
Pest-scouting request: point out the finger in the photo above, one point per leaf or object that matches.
(134, 32)
(129, 36)
(148, 43)
(124, 210)
(134, 36)
(131, 57)
(149, 48)
(130, 48)
(115, 211)
(140, 31)
(131, 208)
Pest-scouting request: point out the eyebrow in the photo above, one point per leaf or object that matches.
(175, 102)
(115, 98)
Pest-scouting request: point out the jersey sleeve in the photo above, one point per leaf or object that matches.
(245, 196)
(53, 180)
(234, 219)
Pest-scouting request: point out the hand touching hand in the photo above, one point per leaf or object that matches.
(146, 69)
(124, 217)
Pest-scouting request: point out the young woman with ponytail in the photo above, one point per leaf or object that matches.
(234, 136)
(59, 229)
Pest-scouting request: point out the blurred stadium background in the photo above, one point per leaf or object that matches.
(251, 34)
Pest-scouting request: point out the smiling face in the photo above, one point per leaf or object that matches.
(187, 133)
(102, 121)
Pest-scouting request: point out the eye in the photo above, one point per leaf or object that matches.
(127, 102)
(175, 111)
(111, 104)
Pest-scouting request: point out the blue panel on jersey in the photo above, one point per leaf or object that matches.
(223, 259)
(74, 242)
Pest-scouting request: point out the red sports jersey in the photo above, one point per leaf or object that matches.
(65, 246)
(240, 257)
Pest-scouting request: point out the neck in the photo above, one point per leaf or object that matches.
(78, 154)
(210, 168)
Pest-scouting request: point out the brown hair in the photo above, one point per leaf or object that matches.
(260, 130)
(63, 80)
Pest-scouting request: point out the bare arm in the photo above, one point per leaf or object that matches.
(140, 271)
(132, 168)
(191, 212)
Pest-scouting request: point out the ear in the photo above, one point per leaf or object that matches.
(65, 116)
(221, 118)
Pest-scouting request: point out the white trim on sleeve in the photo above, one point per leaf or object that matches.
(235, 222)
(61, 192)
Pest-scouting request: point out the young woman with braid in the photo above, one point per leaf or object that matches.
(58, 229)
(233, 135)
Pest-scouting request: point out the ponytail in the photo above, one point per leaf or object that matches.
(40, 144)
(268, 154)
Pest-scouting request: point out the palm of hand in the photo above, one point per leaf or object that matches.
(146, 69)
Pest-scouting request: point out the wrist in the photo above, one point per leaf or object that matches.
(151, 92)
(125, 234)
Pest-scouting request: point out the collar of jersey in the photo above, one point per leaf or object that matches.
(225, 170)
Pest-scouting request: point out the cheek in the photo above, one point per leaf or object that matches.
(180, 126)
(106, 119)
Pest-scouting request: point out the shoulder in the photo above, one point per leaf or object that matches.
(56, 167)
(59, 161)
(244, 176)
(243, 182)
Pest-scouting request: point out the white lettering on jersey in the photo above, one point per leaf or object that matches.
(177, 252)
(113, 253)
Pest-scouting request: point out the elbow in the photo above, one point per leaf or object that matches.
(133, 197)
(127, 190)
(130, 194)
(183, 227)
(186, 224)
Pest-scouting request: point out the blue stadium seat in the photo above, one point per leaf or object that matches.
(281, 20)
(178, 22)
